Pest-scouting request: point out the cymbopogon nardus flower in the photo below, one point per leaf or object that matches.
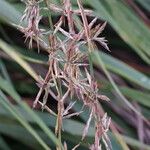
(68, 74)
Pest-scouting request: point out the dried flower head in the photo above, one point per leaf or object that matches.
(32, 17)
(69, 70)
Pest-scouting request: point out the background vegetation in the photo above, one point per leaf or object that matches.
(123, 75)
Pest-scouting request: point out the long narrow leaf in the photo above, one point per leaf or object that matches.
(4, 85)
(15, 113)
(14, 55)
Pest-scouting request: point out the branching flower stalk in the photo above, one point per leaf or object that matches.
(69, 74)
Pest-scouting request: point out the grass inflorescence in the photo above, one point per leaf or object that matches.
(70, 72)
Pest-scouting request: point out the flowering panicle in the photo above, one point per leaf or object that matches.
(32, 16)
(68, 73)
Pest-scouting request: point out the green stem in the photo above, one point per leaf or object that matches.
(49, 15)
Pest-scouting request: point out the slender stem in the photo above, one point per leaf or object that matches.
(60, 108)
(59, 122)
(90, 49)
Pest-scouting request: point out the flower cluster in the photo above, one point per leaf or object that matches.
(69, 72)
(32, 16)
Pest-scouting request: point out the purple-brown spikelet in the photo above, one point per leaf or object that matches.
(68, 75)
(32, 16)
